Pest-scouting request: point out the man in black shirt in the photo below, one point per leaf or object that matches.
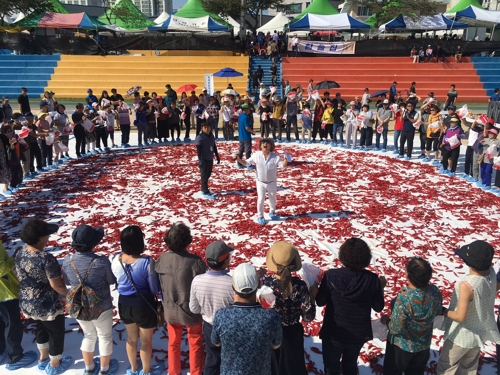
(338, 98)
(206, 147)
(24, 102)
(259, 73)
(115, 98)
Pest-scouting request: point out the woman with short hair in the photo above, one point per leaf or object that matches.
(94, 271)
(138, 285)
(40, 291)
(177, 268)
(349, 293)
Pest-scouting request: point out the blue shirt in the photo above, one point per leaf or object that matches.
(495, 98)
(145, 278)
(140, 116)
(243, 124)
(246, 332)
(90, 99)
(99, 279)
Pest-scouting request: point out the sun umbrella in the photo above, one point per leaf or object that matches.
(378, 93)
(227, 72)
(186, 88)
(228, 92)
(325, 85)
(132, 90)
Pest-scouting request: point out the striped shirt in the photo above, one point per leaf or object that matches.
(210, 292)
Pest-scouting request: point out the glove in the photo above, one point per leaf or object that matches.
(201, 163)
(218, 159)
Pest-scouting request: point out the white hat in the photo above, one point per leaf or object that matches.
(385, 101)
(204, 89)
(245, 278)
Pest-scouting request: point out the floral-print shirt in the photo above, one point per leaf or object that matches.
(37, 298)
(296, 305)
(413, 316)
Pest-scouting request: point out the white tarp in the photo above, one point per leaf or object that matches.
(277, 23)
(437, 22)
(478, 17)
(161, 18)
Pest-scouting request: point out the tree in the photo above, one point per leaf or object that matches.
(385, 10)
(10, 7)
(234, 8)
(124, 13)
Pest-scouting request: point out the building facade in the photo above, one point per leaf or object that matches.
(149, 8)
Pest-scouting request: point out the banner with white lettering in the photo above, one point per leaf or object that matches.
(327, 48)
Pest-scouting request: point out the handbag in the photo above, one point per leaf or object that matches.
(160, 316)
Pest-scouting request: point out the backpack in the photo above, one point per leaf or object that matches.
(83, 302)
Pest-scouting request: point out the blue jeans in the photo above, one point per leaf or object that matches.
(397, 133)
(333, 351)
(340, 129)
(486, 172)
(295, 51)
(383, 134)
(214, 123)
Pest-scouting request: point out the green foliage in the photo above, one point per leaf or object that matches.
(385, 10)
(234, 8)
(124, 14)
(38, 7)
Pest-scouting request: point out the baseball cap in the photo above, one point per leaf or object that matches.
(477, 254)
(217, 252)
(245, 106)
(89, 90)
(452, 107)
(28, 115)
(42, 114)
(385, 101)
(87, 237)
(34, 228)
(245, 279)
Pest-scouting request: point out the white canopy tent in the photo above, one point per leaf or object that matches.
(161, 18)
(278, 23)
(230, 20)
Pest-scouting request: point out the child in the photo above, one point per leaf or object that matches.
(470, 319)
(306, 123)
(487, 159)
(327, 122)
(450, 148)
(265, 113)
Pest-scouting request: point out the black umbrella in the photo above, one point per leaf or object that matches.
(378, 93)
(325, 85)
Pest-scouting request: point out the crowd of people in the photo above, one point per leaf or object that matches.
(247, 321)
(44, 138)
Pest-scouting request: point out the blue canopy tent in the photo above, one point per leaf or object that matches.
(201, 24)
(438, 22)
(328, 22)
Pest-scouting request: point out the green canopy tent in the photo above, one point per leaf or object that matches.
(462, 4)
(125, 14)
(321, 7)
(194, 9)
(33, 19)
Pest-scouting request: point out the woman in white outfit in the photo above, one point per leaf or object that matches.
(351, 122)
(267, 163)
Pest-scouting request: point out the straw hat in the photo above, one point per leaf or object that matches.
(283, 253)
